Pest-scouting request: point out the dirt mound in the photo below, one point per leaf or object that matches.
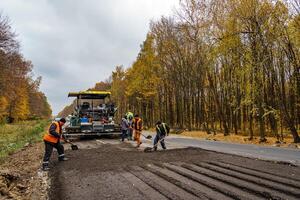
(19, 177)
(8, 180)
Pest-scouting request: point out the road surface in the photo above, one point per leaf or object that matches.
(109, 169)
(279, 154)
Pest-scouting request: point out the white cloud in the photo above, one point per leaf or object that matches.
(73, 43)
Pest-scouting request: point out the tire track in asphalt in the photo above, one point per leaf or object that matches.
(213, 180)
(163, 186)
(181, 182)
(239, 183)
(265, 174)
(291, 190)
(175, 177)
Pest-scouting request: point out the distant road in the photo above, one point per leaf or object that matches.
(247, 150)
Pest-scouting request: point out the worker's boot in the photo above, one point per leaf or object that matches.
(45, 167)
(139, 145)
(155, 148)
(63, 159)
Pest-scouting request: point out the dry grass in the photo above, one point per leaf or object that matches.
(236, 138)
(15, 136)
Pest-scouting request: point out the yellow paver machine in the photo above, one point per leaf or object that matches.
(93, 115)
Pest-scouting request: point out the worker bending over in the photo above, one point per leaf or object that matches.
(162, 129)
(138, 127)
(52, 140)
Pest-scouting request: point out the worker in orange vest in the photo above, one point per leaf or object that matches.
(52, 140)
(138, 127)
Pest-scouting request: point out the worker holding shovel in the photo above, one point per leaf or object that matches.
(52, 140)
(162, 129)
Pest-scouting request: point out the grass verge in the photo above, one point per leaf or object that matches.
(14, 136)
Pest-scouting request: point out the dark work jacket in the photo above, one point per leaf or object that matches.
(162, 129)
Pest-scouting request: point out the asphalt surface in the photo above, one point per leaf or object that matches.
(279, 154)
(110, 169)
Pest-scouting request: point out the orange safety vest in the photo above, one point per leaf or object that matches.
(137, 124)
(50, 138)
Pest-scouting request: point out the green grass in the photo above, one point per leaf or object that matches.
(15, 136)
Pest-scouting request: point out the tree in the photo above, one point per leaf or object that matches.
(20, 97)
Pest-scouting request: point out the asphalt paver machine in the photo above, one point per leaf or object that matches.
(93, 115)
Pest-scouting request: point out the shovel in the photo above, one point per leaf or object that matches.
(73, 146)
(147, 137)
(150, 149)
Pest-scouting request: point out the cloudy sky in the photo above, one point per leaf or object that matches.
(75, 43)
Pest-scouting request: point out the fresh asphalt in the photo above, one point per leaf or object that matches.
(278, 154)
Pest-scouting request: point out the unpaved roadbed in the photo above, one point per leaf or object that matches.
(120, 171)
(21, 177)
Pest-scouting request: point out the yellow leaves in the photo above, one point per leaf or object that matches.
(142, 77)
(3, 106)
(20, 105)
(19, 95)
(294, 30)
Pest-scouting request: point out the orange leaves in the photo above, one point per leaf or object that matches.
(19, 95)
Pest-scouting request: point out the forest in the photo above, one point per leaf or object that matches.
(20, 97)
(230, 66)
(225, 65)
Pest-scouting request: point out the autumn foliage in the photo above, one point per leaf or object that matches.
(224, 65)
(20, 98)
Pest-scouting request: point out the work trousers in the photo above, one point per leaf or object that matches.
(129, 133)
(137, 137)
(124, 135)
(162, 142)
(48, 151)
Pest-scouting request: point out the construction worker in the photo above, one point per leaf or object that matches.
(162, 129)
(129, 115)
(137, 126)
(124, 127)
(52, 140)
(130, 123)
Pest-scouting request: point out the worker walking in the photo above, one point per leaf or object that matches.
(138, 127)
(52, 140)
(124, 127)
(162, 130)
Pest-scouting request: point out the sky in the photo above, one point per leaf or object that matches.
(75, 43)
